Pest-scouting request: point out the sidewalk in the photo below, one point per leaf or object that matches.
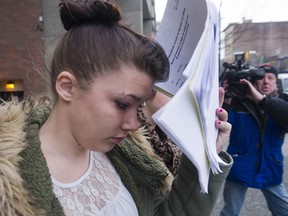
(255, 203)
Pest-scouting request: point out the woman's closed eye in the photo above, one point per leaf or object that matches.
(122, 105)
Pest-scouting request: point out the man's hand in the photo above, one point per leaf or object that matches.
(253, 93)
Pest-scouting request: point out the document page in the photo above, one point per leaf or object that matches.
(189, 117)
(180, 30)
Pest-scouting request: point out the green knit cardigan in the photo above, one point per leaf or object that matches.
(26, 186)
(125, 157)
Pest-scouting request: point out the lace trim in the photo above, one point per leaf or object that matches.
(98, 189)
(82, 178)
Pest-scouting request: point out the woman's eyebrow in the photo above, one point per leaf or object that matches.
(136, 98)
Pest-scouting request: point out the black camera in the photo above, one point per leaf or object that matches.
(236, 71)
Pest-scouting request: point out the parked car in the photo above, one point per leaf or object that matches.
(283, 82)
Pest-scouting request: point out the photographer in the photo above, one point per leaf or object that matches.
(259, 121)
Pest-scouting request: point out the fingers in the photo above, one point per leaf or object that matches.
(245, 81)
(253, 94)
(223, 126)
(249, 84)
(223, 134)
(221, 123)
(221, 96)
(222, 114)
(224, 129)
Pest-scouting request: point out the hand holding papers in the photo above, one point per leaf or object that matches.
(189, 36)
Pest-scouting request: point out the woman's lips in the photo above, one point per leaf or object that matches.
(117, 139)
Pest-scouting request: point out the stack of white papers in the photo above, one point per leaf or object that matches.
(189, 35)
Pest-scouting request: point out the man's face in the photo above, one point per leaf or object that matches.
(266, 85)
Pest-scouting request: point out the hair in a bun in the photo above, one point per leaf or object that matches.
(97, 43)
(73, 13)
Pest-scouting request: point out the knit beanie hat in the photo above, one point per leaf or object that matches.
(268, 68)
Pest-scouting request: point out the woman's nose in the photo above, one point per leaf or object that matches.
(130, 123)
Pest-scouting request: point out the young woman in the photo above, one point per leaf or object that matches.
(85, 156)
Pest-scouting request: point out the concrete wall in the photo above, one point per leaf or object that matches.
(135, 13)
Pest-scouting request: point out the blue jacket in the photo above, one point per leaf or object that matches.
(257, 136)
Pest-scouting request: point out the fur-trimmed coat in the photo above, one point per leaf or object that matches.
(26, 187)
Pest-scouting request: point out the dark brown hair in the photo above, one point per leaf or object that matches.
(96, 43)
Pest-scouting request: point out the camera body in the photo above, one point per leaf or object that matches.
(236, 71)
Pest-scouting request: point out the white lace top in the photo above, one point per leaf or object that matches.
(99, 191)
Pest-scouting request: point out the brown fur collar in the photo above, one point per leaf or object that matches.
(14, 197)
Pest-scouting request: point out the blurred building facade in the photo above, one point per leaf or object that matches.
(261, 42)
(21, 48)
(29, 31)
(30, 28)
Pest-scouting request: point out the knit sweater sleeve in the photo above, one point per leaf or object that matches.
(34, 169)
(185, 198)
(277, 108)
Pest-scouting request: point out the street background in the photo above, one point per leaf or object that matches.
(255, 203)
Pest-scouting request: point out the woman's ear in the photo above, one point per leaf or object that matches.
(66, 84)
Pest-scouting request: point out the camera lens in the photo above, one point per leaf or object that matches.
(238, 89)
